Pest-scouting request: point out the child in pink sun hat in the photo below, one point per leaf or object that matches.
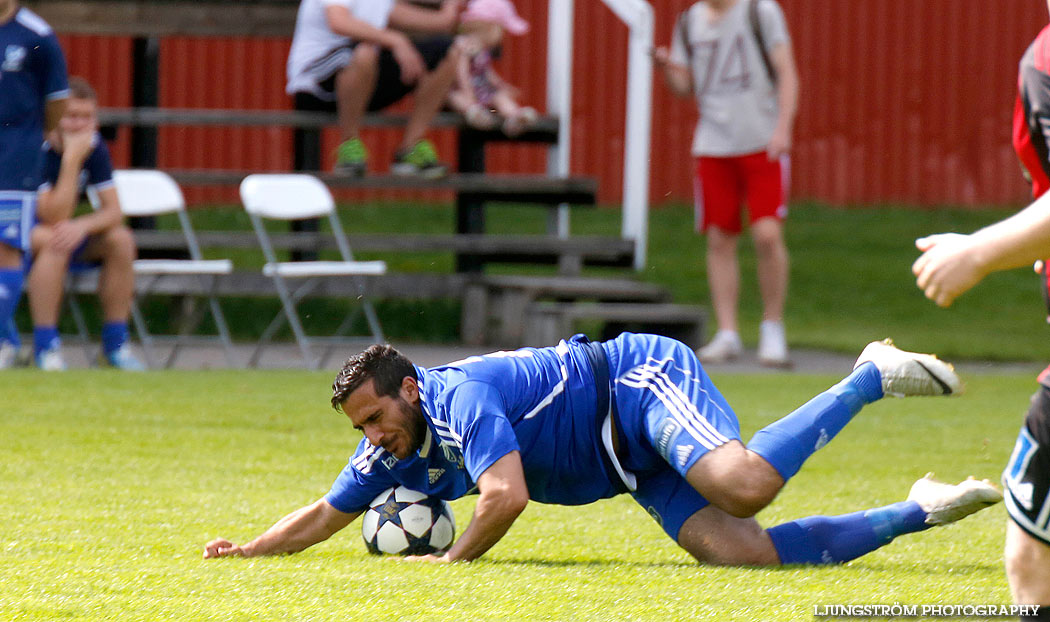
(484, 98)
(499, 12)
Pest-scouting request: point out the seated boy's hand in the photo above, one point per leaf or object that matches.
(78, 145)
(67, 235)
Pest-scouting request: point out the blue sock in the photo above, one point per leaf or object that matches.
(838, 539)
(788, 442)
(45, 338)
(11, 281)
(9, 333)
(114, 334)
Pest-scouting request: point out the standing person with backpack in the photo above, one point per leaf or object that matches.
(735, 57)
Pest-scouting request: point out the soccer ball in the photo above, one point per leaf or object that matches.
(400, 521)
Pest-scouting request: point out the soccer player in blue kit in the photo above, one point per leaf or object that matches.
(33, 91)
(584, 421)
(77, 160)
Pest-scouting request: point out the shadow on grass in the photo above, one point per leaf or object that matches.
(568, 563)
(933, 568)
(967, 569)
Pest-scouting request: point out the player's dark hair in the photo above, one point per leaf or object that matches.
(383, 363)
(79, 88)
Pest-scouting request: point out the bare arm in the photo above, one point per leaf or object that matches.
(952, 263)
(295, 532)
(107, 216)
(68, 234)
(677, 77)
(58, 202)
(341, 22)
(783, 61)
(418, 19)
(503, 497)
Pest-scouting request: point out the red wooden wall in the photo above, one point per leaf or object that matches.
(902, 100)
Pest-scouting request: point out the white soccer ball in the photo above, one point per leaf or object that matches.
(400, 521)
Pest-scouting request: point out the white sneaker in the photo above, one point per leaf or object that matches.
(908, 373)
(8, 355)
(124, 359)
(725, 346)
(51, 360)
(772, 345)
(947, 503)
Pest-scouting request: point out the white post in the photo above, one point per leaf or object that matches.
(638, 15)
(559, 96)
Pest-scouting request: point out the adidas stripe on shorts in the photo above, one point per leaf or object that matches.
(669, 414)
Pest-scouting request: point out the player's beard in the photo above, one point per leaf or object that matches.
(415, 427)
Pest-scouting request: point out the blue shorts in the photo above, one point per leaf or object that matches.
(668, 415)
(17, 213)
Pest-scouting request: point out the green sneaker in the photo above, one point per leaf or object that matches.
(351, 158)
(419, 161)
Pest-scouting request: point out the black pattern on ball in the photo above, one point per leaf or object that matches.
(400, 521)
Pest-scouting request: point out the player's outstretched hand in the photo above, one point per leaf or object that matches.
(221, 547)
(947, 268)
(433, 559)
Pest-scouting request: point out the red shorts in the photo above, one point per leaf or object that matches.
(723, 184)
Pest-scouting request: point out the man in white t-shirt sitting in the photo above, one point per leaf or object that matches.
(351, 56)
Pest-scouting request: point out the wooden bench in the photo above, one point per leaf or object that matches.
(545, 130)
(503, 310)
(547, 322)
(252, 284)
(473, 189)
(532, 189)
(591, 250)
(498, 308)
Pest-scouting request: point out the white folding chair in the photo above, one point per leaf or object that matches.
(300, 197)
(154, 193)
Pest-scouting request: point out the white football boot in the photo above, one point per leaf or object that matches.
(947, 503)
(772, 345)
(724, 346)
(8, 355)
(908, 373)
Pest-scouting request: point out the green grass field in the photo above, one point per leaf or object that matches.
(110, 485)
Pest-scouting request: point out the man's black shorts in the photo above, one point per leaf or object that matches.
(389, 87)
(1027, 475)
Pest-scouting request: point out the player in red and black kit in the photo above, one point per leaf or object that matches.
(953, 263)
(1031, 135)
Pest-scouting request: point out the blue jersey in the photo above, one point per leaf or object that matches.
(32, 73)
(97, 172)
(544, 403)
